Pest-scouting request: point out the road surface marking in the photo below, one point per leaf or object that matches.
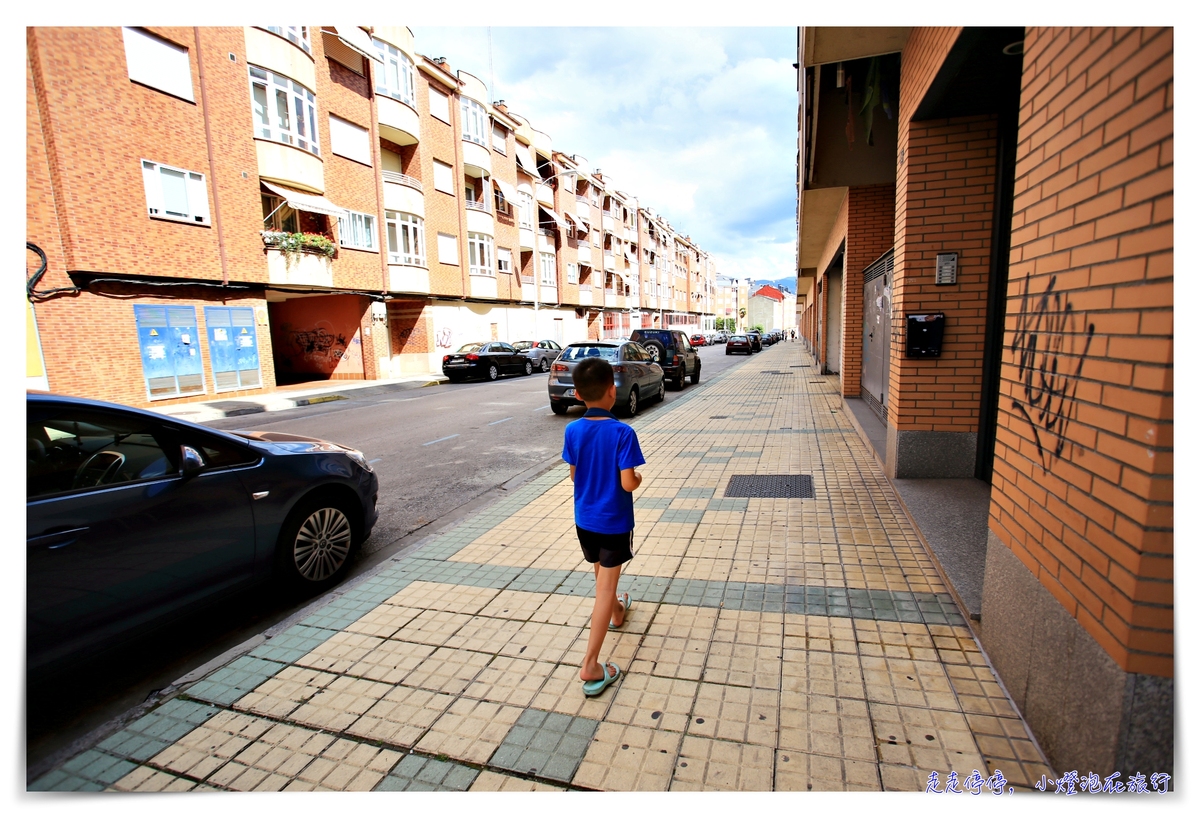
(540, 408)
(494, 422)
(376, 460)
(439, 440)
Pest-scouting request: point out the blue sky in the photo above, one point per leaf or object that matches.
(698, 123)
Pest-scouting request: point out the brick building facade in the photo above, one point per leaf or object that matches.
(225, 209)
(1016, 187)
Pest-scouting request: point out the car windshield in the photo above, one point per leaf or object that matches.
(470, 347)
(737, 337)
(519, 345)
(578, 353)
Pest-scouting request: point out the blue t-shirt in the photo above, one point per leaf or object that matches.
(599, 450)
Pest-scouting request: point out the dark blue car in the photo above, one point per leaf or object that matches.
(133, 517)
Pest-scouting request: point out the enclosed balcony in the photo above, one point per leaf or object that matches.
(398, 122)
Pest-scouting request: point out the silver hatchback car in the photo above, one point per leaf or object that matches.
(638, 378)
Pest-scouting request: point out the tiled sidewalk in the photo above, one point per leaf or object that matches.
(774, 644)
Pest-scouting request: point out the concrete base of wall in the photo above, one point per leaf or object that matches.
(1086, 712)
(930, 454)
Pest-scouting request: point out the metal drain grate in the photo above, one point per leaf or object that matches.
(718, 417)
(771, 485)
(776, 372)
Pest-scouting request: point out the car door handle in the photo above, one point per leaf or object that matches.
(57, 539)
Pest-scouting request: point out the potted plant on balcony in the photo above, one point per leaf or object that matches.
(293, 244)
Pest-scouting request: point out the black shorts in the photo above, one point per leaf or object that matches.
(610, 550)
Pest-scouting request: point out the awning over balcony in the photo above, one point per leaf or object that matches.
(576, 222)
(525, 160)
(557, 219)
(355, 39)
(506, 190)
(630, 256)
(305, 201)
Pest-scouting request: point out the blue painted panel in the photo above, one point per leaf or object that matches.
(170, 349)
(233, 346)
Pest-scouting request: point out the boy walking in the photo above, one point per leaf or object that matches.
(603, 454)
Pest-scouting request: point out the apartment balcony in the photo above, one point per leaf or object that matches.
(585, 294)
(398, 122)
(527, 238)
(610, 263)
(548, 294)
(403, 193)
(610, 297)
(607, 222)
(544, 194)
(408, 278)
(528, 289)
(483, 286)
(274, 53)
(582, 200)
(545, 241)
(477, 159)
(479, 218)
(289, 166)
(309, 268)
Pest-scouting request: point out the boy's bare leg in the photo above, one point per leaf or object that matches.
(602, 614)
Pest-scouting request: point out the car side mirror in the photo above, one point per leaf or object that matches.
(190, 461)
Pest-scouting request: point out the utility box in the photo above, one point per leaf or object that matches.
(923, 335)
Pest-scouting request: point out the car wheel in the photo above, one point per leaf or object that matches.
(727, 352)
(631, 405)
(316, 544)
(679, 380)
(696, 374)
(454, 378)
(662, 391)
(493, 372)
(658, 352)
(545, 364)
(528, 367)
(558, 408)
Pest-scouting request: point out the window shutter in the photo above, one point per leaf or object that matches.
(157, 63)
(153, 189)
(198, 198)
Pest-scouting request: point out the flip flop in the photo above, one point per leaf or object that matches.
(627, 604)
(596, 686)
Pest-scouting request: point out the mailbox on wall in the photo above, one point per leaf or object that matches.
(923, 335)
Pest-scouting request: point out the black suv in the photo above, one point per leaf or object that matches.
(672, 350)
(756, 340)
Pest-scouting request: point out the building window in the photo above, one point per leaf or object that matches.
(349, 140)
(277, 216)
(157, 63)
(474, 121)
(284, 110)
(443, 177)
(526, 209)
(297, 35)
(439, 105)
(499, 139)
(504, 260)
(406, 238)
(479, 246)
(357, 230)
(547, 269)
(172, 193)
(447, 248)
(396, 79)
(572, 273)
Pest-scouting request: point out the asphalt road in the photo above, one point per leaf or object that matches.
(439, 452)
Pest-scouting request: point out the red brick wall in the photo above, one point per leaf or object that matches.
(320, 336)
(1084, 468)
(442, 211)
(948, 179)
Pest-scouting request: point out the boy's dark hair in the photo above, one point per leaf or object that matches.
(592, 378)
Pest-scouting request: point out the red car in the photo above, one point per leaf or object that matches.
(738, 343)
(698, 340)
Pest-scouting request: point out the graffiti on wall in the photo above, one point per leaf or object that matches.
(317, 345)
(1046, 346)
(444, 337)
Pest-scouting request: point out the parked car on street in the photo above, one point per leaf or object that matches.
(756, 340)
(133, 518)
(672, 350)
(721, 337)
(738, 343)
(486, 359)
(638, 378)
(542, 353)
(699, 340)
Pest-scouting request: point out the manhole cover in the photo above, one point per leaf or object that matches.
(771, 485)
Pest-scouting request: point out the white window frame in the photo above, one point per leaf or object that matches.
(447, 245)
(297, 35)
(443, 177)
(406, 238)
(439, 105)
(499, 139)
(298, 127)
(572, 273)
(479, 250)
(195, 191)
(357, 231)
(526, 209)
(504, 261)
(548, 269)
(474, 121)
(158, 63)
(350, 141)
(397, 77)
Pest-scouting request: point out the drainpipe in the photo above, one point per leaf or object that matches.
(212, 166)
